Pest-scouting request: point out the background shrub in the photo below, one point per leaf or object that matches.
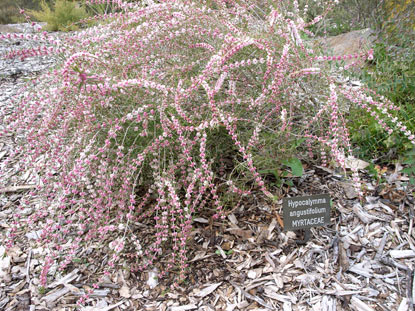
(63, 16)
(9, 10)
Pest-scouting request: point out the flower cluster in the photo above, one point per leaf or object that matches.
(128, 132)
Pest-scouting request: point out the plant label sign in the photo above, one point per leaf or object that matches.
(306, 212)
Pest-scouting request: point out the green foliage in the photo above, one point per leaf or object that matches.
(227, 253)
(376, 172)
(410, 169)
(283, 176)
(42, 290)
(391, 74)
(295, 165)
(63, 17)
(369, 139)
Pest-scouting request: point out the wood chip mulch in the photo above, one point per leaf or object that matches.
(364, 260)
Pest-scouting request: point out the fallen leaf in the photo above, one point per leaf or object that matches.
(245, 234)
(279, 220)
(354, 163)
(349, 190)
(201, 220)
(232, 219)
(208, 290)
(125, 292)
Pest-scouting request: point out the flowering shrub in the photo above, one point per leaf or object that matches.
(132, 127)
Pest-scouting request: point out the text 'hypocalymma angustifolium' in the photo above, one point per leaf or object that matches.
(306, 212)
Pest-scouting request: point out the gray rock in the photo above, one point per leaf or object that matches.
(353, 42)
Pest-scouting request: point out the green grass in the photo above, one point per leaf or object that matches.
(391, 74)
